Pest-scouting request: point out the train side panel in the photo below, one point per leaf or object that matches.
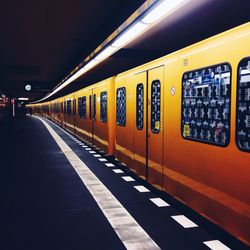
(211, 179)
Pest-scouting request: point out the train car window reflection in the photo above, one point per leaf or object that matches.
(243, 106)
(139, 106)
(104, 105)
(155, 106)
(206, 95)
(121, 106)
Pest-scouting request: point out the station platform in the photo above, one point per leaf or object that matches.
(60, 193)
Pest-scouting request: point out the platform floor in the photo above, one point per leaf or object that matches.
(59, 193)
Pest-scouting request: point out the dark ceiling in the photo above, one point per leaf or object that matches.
(42, 41)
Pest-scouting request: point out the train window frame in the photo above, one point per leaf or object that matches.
(237, 105)
(102, 107)
(84, 107)
(230, 104)
(140, 125)
(74, 106)
(79, 107)
(69, 107)
(117, 106)
(156, 131)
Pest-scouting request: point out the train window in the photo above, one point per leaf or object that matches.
(243, 106)
(83, 107)
(80, 107)
(74, 107)
(155, 106)
(69, 107)
(104, 105)
(64, 108)
(90, 107)
(121, 106)
(139, 106)
(206, 105)
(94, 108)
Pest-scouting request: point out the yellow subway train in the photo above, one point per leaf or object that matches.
(181, 122)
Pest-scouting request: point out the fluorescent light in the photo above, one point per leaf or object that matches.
(130, 34)
(91, 64)
(163, 9)
(105, 53)
(23, 99)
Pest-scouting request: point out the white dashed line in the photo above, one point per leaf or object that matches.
(85, 146)
(109, 164)
(184, 221)
(216, 245)
(92, 152)
(118, 217)
(97, 155)
(141, 189)
(102, 159)
(118, 171)
(127, 178)
(87, 149)
(159, 202)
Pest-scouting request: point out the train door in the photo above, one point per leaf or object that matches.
(148, 133)
(140, 126)
(155, 127)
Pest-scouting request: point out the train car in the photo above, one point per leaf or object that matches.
(182, 123)
(95, 119)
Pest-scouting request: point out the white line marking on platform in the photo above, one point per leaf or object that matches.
(127, 178)
(118, 171)
(159, 202)
(216, 245)
(141, 189)
(184, 221)
(109, 164)
(120, 219)
(102, 159)
(92, 152)
(97, 155)
(87, 149)
(85, 146)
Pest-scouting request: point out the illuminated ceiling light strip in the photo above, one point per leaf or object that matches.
(23, 99)
(130, 34)
(147, 21)
(106, 53)
(164, 8)
(91, 64)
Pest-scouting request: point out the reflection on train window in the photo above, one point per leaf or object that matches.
(74, 107)
(90, 107)
(155, 106)
(69, 107)
(83, 108)
(243, 106)
(139, 106)
(94, 104)
(206, 105)
(121, 106)
(104, 105)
